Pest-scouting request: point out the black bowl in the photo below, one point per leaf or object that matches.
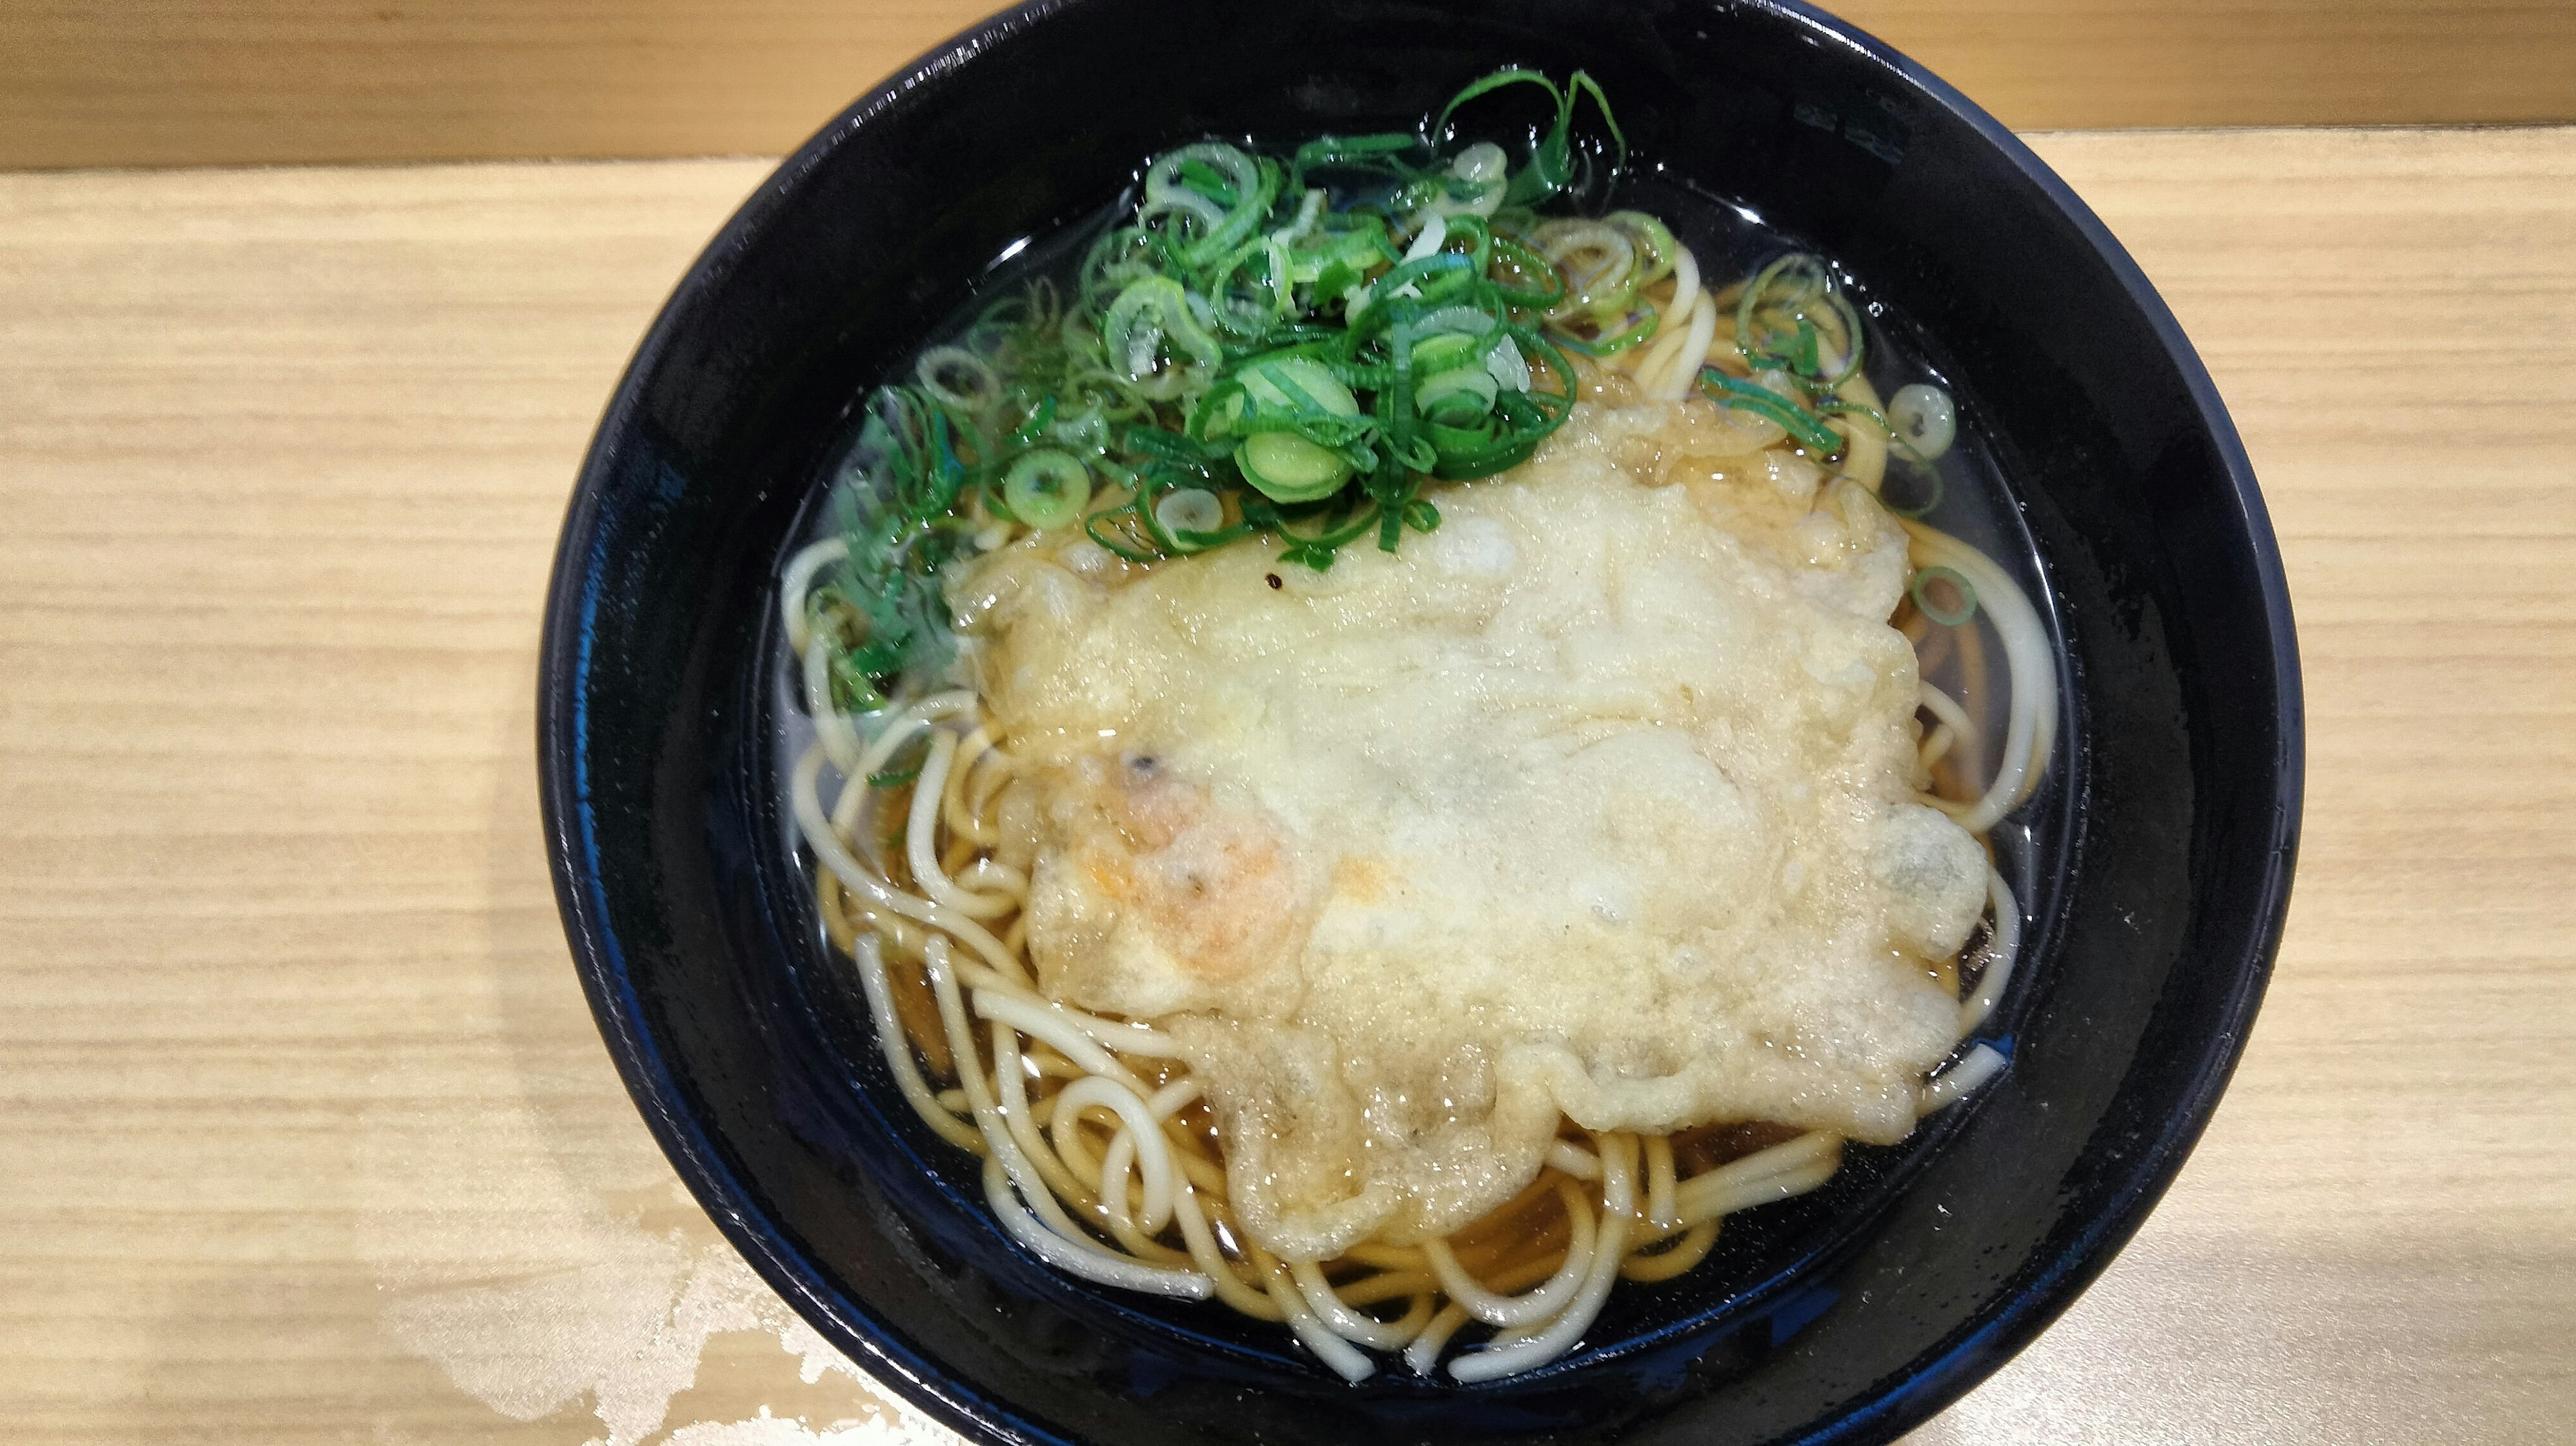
(1848, 1316)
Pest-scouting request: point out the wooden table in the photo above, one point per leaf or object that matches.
(306, 1133)
(182, 82)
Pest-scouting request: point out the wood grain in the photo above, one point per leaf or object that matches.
(310, 1138)
(173, 82)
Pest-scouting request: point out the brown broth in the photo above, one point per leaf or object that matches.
(1703, 1148)
(1528, 1227)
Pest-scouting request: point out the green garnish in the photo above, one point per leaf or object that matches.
(1776, 323)
(1551, 163)
(1809, 429)
(1046, 488)
(1948, 617)
(1288, 349)
(1777, 329)
(901, 529)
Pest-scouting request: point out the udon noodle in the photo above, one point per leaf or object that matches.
(1100, 1153)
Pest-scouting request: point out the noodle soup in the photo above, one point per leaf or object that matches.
(1390, 753)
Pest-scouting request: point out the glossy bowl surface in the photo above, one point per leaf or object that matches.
(1847, 1316)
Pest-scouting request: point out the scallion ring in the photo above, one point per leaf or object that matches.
(1439, 352)
(956, 377)
(1617, 335)
(1652, 238)
(1282, 465)
(1457, 397)
(1189, 509)
(1046, 488)
(1477, 179)
(1795, 287)
(1152, 320)
(1920, 591)
(1796, 420)
(1225, 190)
(1924, 416)
(1599, 263)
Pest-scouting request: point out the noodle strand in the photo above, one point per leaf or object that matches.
(1618, 1203)
(1538, 1304)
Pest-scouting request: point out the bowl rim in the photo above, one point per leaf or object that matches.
(2012, 1317)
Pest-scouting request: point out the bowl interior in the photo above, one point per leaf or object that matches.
(1848, 1315)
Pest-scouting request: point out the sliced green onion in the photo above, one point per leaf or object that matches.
(1039, 418)
(1551, 162)
(1304, 221)
(958, 378)
(1526, 260)
(1283, 400)
(1599, 263)
(1946, 617)
(1250, 290)
(1368, 153)
(1047, 489)
(1162, 446)
(1250, 187)
(1285, 467)
(1240, 315)
(1316, 550)
(1299, 382)
(1473, 321)
(1151, 317)
(1930, 479)
(1481, 162)
(1804, 282)
(1477, 179)
(1441, 351)
(1923, 415)
(1456, 397)
(1797, 421)
(1189, 509)
(1640, 326)
(1655, 244)
(1124, 532)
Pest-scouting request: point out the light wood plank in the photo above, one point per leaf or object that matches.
(169, 82)
(310, 1138)
(2376, 1242)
